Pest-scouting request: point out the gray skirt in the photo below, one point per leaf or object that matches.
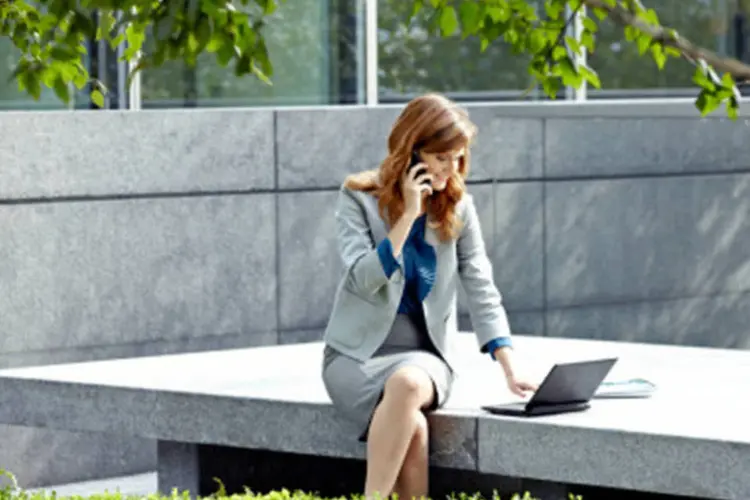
(356, 388)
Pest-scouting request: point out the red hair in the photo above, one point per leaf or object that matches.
(432, 124)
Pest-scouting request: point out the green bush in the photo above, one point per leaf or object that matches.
(13, 492)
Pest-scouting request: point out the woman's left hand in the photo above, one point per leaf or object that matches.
(518, 386)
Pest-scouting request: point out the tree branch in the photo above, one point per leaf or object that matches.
(564, 30)
(739, 71)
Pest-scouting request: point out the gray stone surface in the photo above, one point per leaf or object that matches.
(54, 154)
(688, 439)
(527, 322)
(718, 321)
(132, 484)
(119, 272)
(178, 468)
(209, 398)
(152, 348)
(43, 457)
(636, 146)
(506, 147)
(517, 245)
(309, 262)
(319, 147)
(645, 239)
(511, 218)
(297, 336)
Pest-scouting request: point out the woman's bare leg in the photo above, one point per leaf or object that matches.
(394, 424)
(413, 480)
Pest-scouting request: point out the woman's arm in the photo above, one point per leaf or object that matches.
(368, 267)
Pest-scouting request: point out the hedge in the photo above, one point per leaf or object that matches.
(13, 492)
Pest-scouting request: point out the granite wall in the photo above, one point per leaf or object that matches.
(137, 233)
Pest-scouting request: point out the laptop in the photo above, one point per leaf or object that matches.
(568, 387)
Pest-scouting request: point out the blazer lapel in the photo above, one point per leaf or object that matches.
(377, 224)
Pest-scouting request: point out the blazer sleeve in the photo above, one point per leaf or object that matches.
(367, 267)
(486, 309)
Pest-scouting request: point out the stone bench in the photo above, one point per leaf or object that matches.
(226, 413)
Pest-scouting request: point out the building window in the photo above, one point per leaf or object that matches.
(718, 25)
(413, 60)
(317, 52)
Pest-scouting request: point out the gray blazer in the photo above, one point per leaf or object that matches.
(367, 302)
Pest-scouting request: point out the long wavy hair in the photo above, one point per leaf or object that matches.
(430, 123)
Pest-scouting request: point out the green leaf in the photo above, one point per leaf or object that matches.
(470, 16)
(587, 40)
(660, 58)
(485, 42)
(727, 81)
(64, 53)
(258, 73)
(573, 44)
(569, 73)
(216, 42)
(631, 33)
(61, 89)
(700, 79)
(106, 22)
(644, 42)
(225, 53)
(602, 14)
(537, 41)
(553, 8)
(590, 76)
(672, 51)
(559, 52)
(416, 9)
(706, 102)
(31, 83)
(551, 87)
(448, 20)
(590, 25)
(97, 98)
(650, 17)
(268, 6)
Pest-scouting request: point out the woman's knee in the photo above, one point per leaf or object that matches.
(410, 385)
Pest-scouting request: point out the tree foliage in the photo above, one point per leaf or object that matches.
(547, 37)
(52, 36)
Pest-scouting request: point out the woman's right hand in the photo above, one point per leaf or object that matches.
(414, 183)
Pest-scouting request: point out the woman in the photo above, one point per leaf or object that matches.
(406, 234)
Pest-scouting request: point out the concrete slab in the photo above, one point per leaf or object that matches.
(251, 398)
(137, 484)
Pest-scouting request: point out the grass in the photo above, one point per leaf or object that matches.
(13, 492)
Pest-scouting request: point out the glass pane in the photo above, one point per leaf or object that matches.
(624, 73)
(412, 61)
(10, 97)
(316, 48)
(13, 99)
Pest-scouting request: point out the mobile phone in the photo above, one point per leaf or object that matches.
(414, 161)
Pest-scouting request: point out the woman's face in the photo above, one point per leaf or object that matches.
(442, 166)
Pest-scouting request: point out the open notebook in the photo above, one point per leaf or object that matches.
(630, 388)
